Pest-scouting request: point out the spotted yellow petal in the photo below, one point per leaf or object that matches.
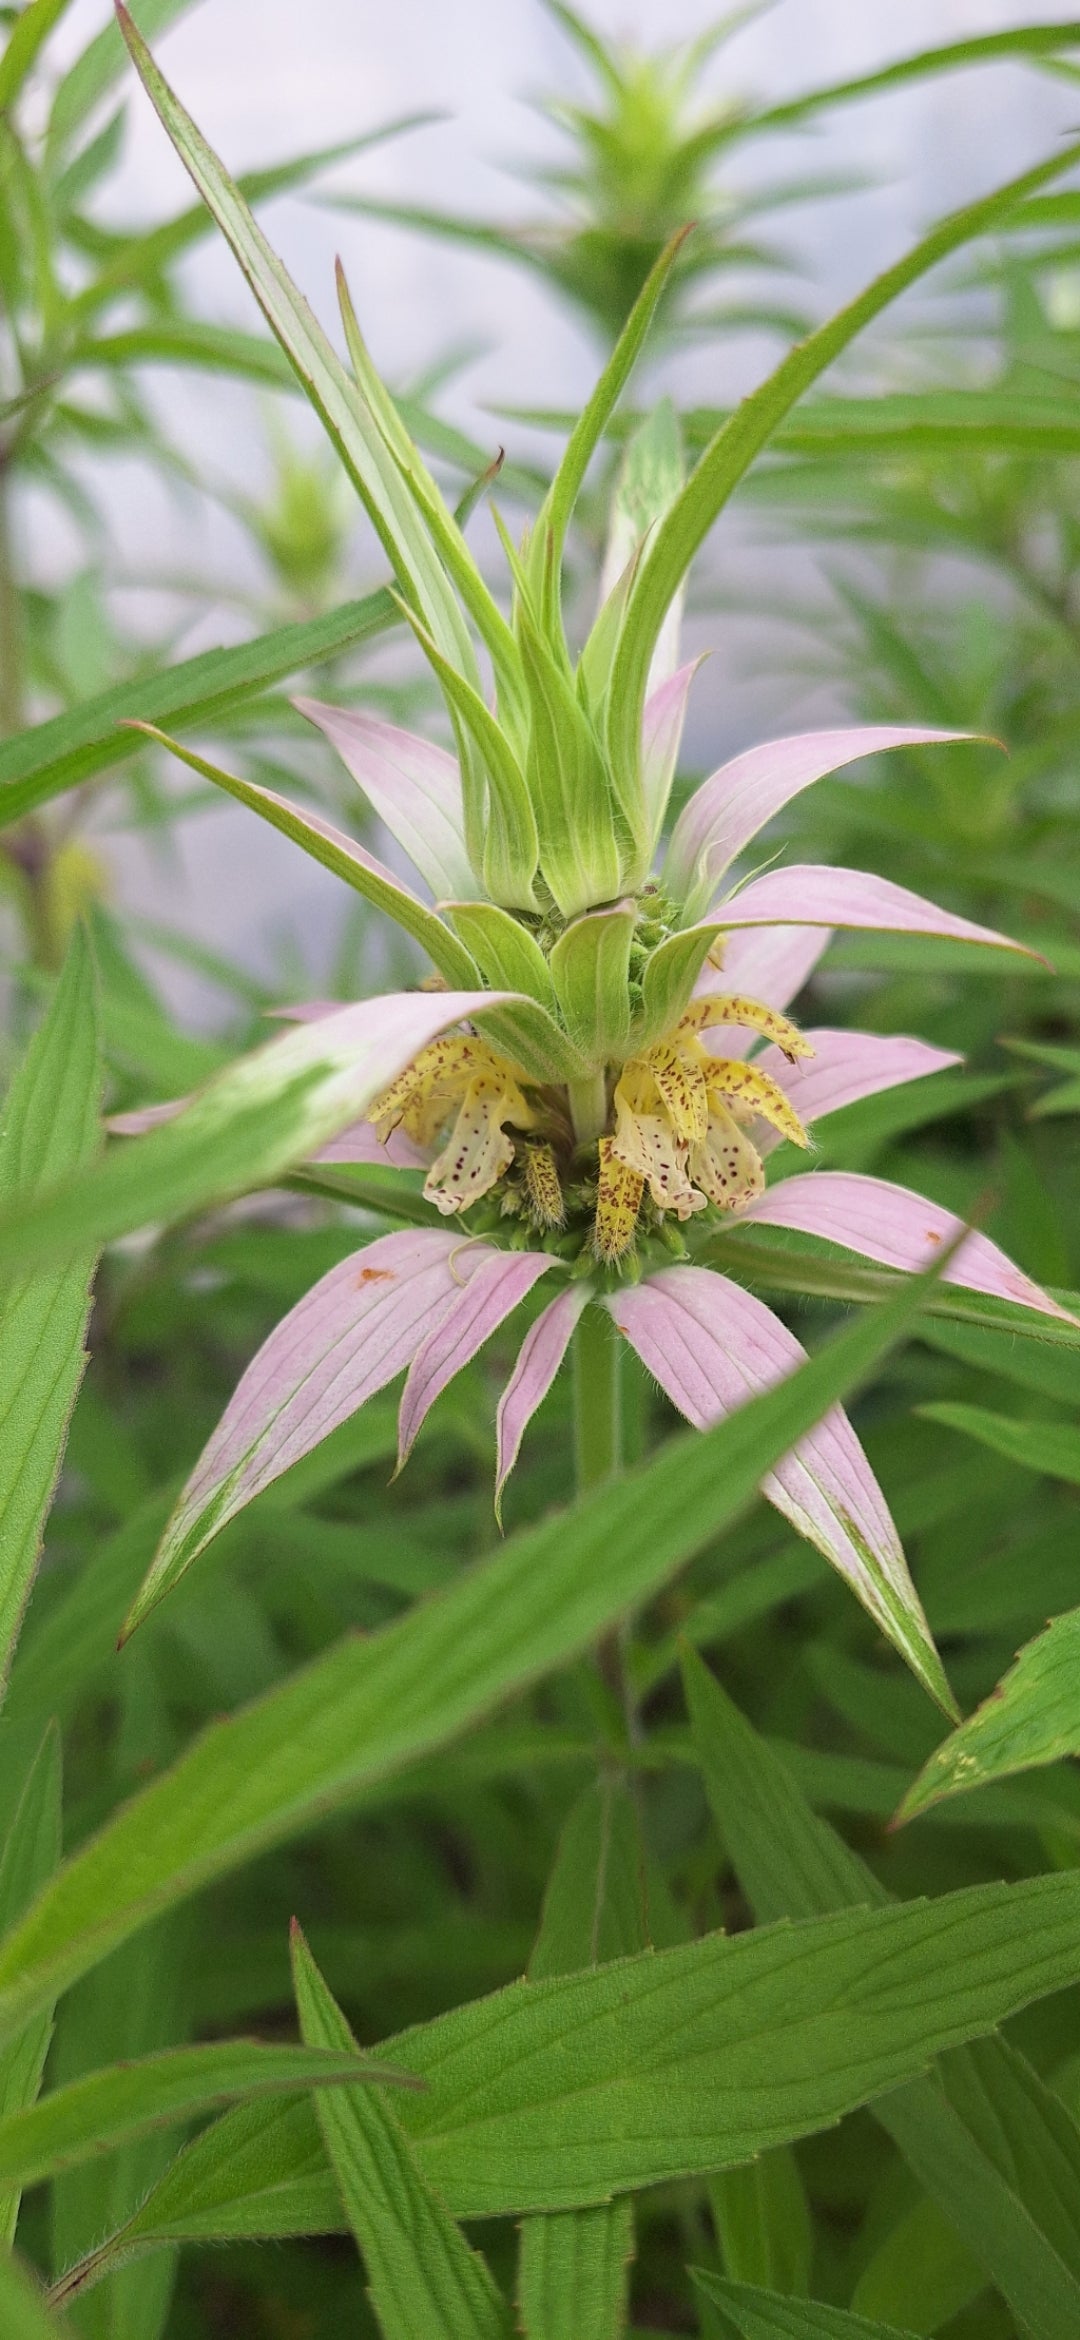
(477, 1151)
(681, 1083)
(617, 1204)
(727, 1167)
(732, 1082)
(718, 1008)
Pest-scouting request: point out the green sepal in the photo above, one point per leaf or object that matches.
(557, 509)
(580, 856)
(527, 1034)
(667, 985)
(591, 968)
(598, 655)
(499, 944)
(508, 842)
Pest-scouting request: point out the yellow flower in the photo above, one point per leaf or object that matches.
(466, 1083)
(682, 1121)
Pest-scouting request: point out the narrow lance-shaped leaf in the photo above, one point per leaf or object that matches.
(31, 1853)
(734, 448)
(423, 2278)
(119, 2102)
(701, 2056)
(1032, 1718)
(1050, 1447)
(368, 1708)
(50, 1133)
(1029, 40)
(49, 757)
(767, 2315)
(26, 38)
(553, 519)
(447, 533)
(678, 2062)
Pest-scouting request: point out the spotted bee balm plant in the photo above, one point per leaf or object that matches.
(600, 1062)
(644, 1976)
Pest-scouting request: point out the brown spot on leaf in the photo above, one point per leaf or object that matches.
(374, 1276)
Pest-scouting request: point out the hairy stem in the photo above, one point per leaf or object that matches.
(597, 1394)
(598, 1455)
(588, 1107)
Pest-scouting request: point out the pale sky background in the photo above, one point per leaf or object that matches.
(265, 79)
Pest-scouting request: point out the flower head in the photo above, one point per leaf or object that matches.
(599, 1101)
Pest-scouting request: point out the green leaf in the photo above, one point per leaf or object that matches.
(961, 2130)
(142, 258)
(31, 1853)
(30, 30)
(590, 965)
(1051, 1447)
(1033, 1717)
(366, 1709)
(121, 2101)
(573, 2265)
(24, 2312)
(50, 1132)
(213, 349)
(557, 2094)
(766, 2315)
(41, 762)
(1034, 41)
(344, 857)
(424, 2279)
(921, 2275)
(730, 454)
(100, 66)
(1053, 1373)
(762, 2221)
(343, 414)
(696, 2058)
(446, 531)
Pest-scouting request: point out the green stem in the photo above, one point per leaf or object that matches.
(598, 1455)
(597, 1396)
(588, 1107)
(11, 637)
